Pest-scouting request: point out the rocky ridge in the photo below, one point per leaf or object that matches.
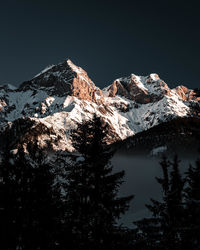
(61, 96)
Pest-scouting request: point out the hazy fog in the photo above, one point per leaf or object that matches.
(140, 181)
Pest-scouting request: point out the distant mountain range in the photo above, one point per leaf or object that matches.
(46, 109)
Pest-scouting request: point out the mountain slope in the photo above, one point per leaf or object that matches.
(180, 135)
(63, 95)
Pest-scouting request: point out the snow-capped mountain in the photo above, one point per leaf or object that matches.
(47, 108)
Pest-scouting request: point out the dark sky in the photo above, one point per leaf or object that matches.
(107, 38)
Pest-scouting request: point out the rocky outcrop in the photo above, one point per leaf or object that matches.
(186, 94)
(2, 104)
(142, 90)
(66, 79)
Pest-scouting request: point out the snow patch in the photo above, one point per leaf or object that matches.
(158, 150)
(44, 70)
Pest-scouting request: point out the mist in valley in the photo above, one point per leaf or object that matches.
(140, 172)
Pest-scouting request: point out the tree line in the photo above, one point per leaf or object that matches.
(77, 205)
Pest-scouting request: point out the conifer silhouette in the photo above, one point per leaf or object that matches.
(93, 203)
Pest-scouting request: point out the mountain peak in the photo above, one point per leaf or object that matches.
(65, 79)
(154, 77)
(70, 63)
(142, 89)
(186, 94)
(59, 69)
(63, 95)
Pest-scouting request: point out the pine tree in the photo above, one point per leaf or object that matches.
(175, 205)
(31, 206)
(151, 230)
(92, 198)
(164, 229)
(192, 215)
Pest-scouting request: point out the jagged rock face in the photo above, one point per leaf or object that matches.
(51, 105)
(31, 134)
(186, 94)
(142, 90)
(65, 79)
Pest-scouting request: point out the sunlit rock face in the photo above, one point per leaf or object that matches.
(186, 94)
(65, 79)
(140, 89)
(45, 110)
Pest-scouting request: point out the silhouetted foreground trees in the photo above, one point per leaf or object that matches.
(30, 205)
(41, 208)
(192, 201)
(76, 205)
(93, 205)
(175, 222)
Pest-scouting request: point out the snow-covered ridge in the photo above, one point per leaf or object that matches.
(63, 95)
(44, 70)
